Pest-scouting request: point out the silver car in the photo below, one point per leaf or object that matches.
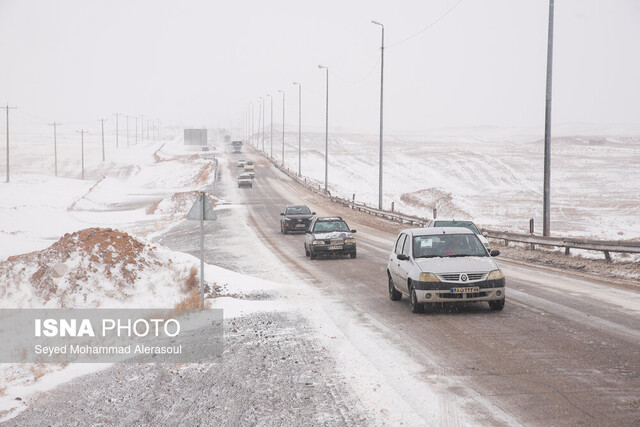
(444, 264)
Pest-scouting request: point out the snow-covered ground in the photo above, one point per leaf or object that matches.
(146, 189)
(493, 176)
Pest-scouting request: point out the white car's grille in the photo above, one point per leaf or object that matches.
(462, 277)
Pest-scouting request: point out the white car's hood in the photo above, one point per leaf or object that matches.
(333, 235)
(457, 265)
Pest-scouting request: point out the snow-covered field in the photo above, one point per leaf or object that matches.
(493, 176)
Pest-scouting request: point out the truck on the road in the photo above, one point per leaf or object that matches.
(237, 146)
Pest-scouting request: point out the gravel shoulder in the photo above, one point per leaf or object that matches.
(269, 362)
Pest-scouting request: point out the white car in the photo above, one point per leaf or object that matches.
(453, 223)
(245, 180)
(444, 264)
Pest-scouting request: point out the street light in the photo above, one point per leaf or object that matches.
(282, 91)
(261, 113)
(271, 111)
(326, 132)
(381, 86)
(299, 126)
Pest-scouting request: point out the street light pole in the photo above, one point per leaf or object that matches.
(299, 127)
(326, 133)
(546, 224)
(262, 123)
(271, 127)
(381, 104)
(282, 126)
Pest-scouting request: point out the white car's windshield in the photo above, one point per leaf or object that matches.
(447, 245)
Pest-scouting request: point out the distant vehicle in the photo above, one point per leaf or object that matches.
(248, 168)
(438, 265)
(295, 218)
(245, 180)
(453, 223)
(237, 146)
(241, 163)
(328, 236)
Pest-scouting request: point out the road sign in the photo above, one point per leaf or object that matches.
(201, 211)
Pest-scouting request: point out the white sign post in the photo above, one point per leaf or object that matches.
(201, 211)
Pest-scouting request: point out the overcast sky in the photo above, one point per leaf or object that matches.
(201, 62)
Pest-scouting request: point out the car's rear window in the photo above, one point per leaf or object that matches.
(298, 210)
(466, 224)
(329, 226)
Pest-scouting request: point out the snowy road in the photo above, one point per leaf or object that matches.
(563, 352)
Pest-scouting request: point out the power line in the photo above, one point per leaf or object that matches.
(427, 27)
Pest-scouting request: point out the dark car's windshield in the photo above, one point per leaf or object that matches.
(447, 245)
(466, 224)
(329, 226)
(297, 210)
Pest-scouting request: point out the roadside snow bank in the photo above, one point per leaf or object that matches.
(96, 267)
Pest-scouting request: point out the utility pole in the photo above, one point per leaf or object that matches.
(102, 126)
(136, 130)
(282, 126)
(55, 147)
(381, 104)
(546, 225)
(7, 108)
(127, 131)
(117, 114)
(142, 128)
(82, 132)
(299, 127)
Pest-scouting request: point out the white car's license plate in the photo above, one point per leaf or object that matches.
(335, 248)
(472, 290)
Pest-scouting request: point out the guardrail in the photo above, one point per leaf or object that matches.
(605, 246)
(568, 243)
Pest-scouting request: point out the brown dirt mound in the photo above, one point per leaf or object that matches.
(104, 251)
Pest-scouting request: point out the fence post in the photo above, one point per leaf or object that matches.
(531, 230)
(392, 206)
(607, 256)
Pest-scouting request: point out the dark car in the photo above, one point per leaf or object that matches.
(295, 218)
(329, 236)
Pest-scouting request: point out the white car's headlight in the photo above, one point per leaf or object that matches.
(495, 275)
(428, 277)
